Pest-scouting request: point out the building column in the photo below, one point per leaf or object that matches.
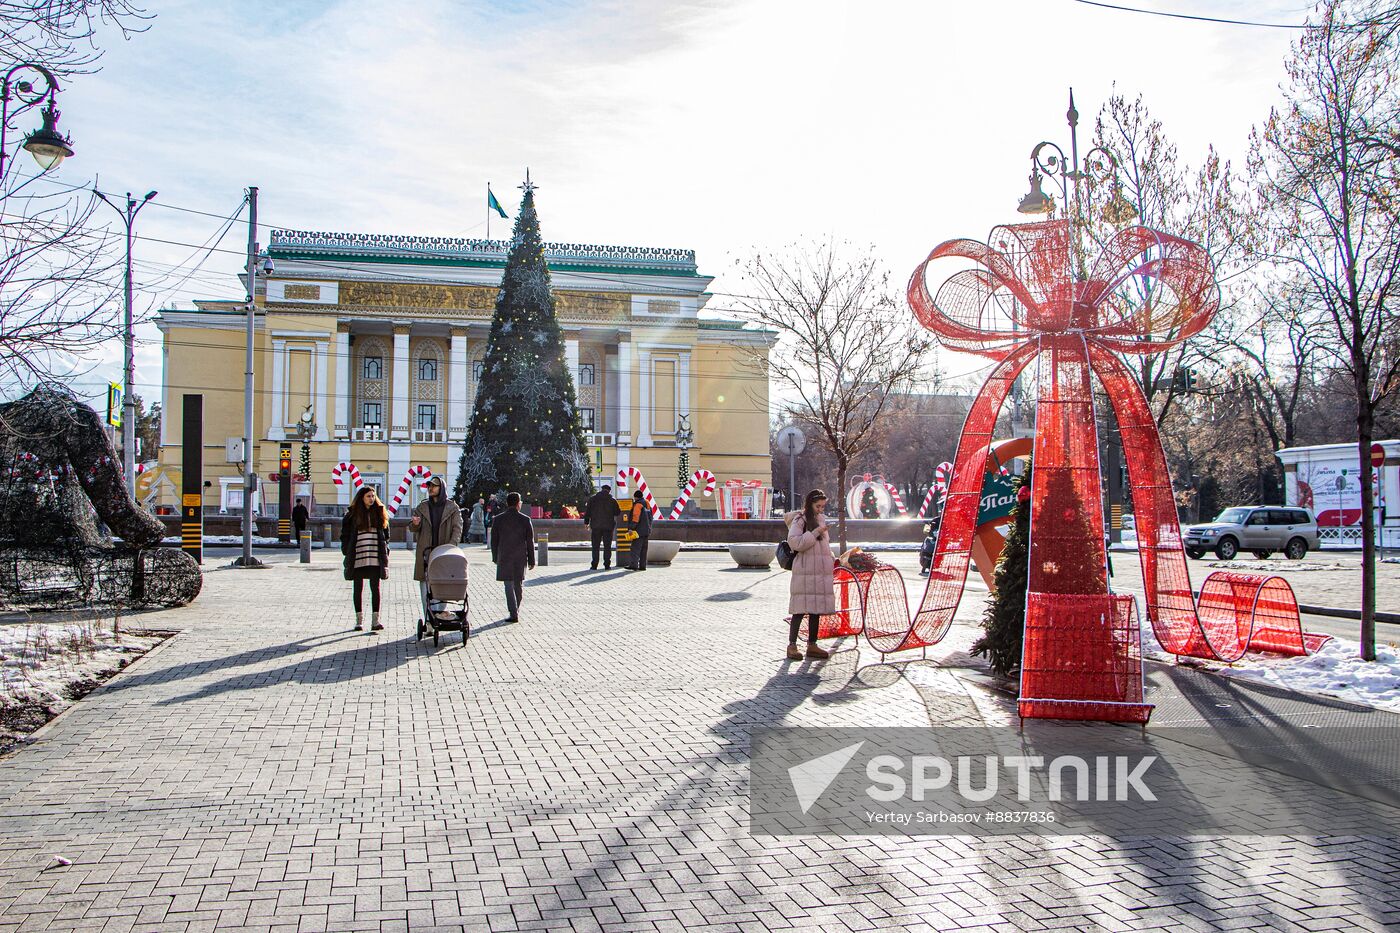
(683, 385)
(457, 413)
(344, 391)
(398, 418)
(624, 391)
(277, 423)
(571, 361)
(346, 489)
(644, 408)
(322, 400)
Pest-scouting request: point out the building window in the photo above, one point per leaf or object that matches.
(374, 367)
(478, 368)
(585, 416)
(427, 417)
(427, 370)
(372, 415)
(585, 374)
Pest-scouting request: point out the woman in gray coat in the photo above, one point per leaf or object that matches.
(811, 591)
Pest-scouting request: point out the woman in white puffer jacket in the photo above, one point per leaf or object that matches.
(810, 591)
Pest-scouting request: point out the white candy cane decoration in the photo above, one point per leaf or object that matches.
(898, 502)
(695, 477)
(342, 468)
(416, 470)
(627, 473)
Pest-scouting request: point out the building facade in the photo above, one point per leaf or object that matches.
(373, 346)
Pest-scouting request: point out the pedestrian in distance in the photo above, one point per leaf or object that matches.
(300, 517)
(436, 520)
(476, 529)
(600, 515)
(512, 537)
(811, 588)
(364, 540)
(641, 525)
(492, 507)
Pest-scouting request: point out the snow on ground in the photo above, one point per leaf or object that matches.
(47, 666)
(222, 539)
(1276, 566)
(1334, 670)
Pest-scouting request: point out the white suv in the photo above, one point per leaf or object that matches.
(1260, 529)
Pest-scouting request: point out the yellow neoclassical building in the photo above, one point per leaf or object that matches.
(381, 340)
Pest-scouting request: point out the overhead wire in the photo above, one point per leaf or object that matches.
(1190, 16)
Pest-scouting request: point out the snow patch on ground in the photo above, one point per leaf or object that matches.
(1334, 670)
(46, 666)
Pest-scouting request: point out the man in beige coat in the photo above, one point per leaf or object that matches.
(811, 591)
(436, 520)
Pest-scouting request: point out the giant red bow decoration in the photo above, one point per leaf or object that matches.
(1144, 293)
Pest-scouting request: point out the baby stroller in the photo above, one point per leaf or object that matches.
(444, 585)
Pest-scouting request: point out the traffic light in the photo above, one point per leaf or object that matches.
(1185, 380)
(284, 461)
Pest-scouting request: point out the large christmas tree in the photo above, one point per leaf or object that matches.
(525, 434)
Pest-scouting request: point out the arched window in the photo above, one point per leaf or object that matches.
(427, 369)
(427, 359)
(370, 397)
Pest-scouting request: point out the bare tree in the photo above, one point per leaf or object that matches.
(57, 282)
(845, 344)
(1335, 218)
(1205, 205)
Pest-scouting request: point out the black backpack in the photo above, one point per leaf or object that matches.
(784, 554)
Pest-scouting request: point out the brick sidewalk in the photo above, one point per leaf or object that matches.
(583, 769)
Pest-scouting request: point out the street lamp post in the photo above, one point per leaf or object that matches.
(128, 216)
(1048, 160)
(48, 146)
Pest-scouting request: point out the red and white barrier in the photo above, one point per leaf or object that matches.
(898, 502)
(627, 474)
(416, 470)
(686, 493)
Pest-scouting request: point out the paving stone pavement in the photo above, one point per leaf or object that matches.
(583, 769)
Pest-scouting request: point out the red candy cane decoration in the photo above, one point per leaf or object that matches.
(342, 468)
(940, 485)
(898, 502)
(416, 470)
(626, 474)
(695, 477)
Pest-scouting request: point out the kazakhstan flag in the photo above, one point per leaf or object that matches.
(493, 205)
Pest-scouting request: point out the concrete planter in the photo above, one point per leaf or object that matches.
(757, 556)
(661, 553)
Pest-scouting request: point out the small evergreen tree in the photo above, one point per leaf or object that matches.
(525, 434)
(683, 470)
(1004, 622)
(304, 465)
(869, 505)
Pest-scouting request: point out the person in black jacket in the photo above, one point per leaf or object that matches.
(600, 514)
(364, 540)
(300, 516)
(641, 524)
(512, 539)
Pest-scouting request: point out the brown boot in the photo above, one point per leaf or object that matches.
(794, 653)
(815, 653)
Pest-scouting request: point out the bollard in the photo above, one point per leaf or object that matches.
(542, 550)
(304, 540)
(326, 535)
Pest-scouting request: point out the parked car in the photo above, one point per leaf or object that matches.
(1259, 529)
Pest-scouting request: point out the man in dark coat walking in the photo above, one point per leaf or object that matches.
(512, 539)
(600, 514)
(300, 516)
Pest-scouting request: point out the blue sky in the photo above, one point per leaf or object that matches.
(718, 126)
